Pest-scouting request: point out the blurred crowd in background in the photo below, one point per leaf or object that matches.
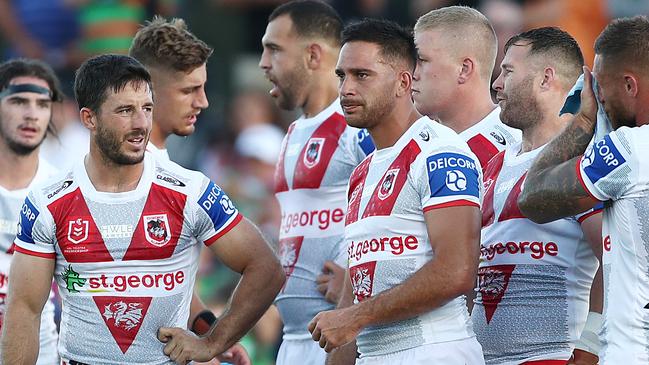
(238, 137)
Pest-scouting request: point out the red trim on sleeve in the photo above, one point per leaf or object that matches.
(454, 203)
(44, 255)
(588, 215)
(581, 181)
(11, 249)
(225, 230)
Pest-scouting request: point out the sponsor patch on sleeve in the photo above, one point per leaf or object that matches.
(217, 205)
(602, 159)
(28, 215)
(452, 174)
(365, 141)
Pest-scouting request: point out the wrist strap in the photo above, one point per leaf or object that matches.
(203, 322)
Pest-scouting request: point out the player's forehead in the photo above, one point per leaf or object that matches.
(359, 55)
(133, 92)
(27, 87)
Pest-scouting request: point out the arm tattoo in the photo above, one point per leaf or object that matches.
(552, 189)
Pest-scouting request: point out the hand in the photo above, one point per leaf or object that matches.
(183, 346)
(330, 282)
(580, 357)
(235, 355)
(588, 110)
(335, 328)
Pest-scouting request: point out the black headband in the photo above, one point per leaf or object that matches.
(25, 88)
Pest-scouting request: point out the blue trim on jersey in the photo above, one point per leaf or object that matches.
(602, 159)
(452, 174)
(28, 215)
(365, 141)
(217, 205)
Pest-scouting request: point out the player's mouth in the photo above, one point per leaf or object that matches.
(499, 99)
(350, 106)
(191, 119)
(137, 141)
(28, 131)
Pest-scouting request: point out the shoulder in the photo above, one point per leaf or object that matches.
(171, 175)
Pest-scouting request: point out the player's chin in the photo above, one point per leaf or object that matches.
(184, 131)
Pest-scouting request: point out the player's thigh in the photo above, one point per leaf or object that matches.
(305, 351)
(462, 352)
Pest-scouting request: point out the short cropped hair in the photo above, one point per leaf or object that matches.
(97, 75)
(396, 42)
(30, 67)
(312, 19)
(170, 45)
(557, 46)
(625, 41)
(471, 25)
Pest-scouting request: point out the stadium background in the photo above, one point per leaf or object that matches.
(237, 138)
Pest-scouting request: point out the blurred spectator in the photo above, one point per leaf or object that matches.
(584, 20)
(108, 26)
(625, 8)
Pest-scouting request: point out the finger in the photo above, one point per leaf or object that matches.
(164, 334)
(316, 333)
(330, 347)
(322, 288)
(323, 342)
(331, 266)
(323, 278)
(176, 355)
(169, 347)
(312, 324)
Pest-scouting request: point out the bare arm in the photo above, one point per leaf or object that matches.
(552, 189)
(243, 250)
(449, 274)
(345, 354)
(29, 288)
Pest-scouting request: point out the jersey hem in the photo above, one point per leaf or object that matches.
(44, 255)
(211, 240)
(454, 203)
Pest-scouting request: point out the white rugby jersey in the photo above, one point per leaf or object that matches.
(318, 155)
(10, 203)
(125, 262)
(429, 167)
(613, 170)
(490, 136)
(534, 279)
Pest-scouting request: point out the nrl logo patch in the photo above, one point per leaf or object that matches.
(313, 152)
(156, 229)
(78, 230)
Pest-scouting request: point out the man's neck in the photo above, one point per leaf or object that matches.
(158, 138)
(467, 111)
(323, 92)
(107, 176)
(19, 170)
(543, 132)
(387, 132)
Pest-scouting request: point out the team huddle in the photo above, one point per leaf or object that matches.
(422, 223)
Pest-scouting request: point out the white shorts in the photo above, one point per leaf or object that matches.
(462, 352)
(302, 351)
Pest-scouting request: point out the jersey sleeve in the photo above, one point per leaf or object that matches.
(610, 168)
(448, 179)
(360, 144)
(214, 213)
(36, 235)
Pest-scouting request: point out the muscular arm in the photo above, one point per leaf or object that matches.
(552, 189)
(449, 274)
(244, 250)
(29, 287)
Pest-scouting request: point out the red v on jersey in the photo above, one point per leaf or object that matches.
(482, 148)
(158, 229)
(491, 173)
(76, 232)
(280, 174)
(356, 186)
(511, 210)
(316, 154)
(492, 283)
(387, 190)
(123, 317)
